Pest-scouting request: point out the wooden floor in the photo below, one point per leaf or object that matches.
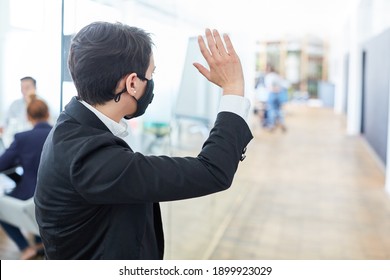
(313, 193)
(310, 193)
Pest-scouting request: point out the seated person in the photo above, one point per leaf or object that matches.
(25, 151)
(16, 117)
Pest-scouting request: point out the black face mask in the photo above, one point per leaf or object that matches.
(143, 102)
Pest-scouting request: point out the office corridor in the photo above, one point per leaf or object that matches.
(314, 193)
(310, 193)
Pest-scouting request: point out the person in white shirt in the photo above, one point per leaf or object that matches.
(15, 120)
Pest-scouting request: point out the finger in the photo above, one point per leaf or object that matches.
(219, 43)
(229, 45)
(203, 70)
(211, 43)
(203, 49)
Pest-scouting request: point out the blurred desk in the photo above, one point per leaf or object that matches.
(159, 132)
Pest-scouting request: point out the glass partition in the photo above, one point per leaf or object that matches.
(35, 37)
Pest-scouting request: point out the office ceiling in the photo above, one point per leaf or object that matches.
(261, 17)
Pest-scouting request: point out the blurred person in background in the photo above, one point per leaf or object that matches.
(16, 119)
(260, 101)
(277, 91)
(25, 151)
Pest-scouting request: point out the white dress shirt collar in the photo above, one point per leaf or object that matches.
(118, 129)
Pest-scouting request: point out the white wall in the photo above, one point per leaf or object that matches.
(31, 47)
(3, 29)
(367, 19)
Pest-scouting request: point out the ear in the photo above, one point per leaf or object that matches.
(131, 83)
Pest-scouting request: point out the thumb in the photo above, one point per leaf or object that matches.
(203, 70)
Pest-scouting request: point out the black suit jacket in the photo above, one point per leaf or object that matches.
(97, 199)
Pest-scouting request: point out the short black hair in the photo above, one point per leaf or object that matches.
(102, 53)
(28, 78)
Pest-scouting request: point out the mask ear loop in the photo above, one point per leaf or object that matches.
(117, 97)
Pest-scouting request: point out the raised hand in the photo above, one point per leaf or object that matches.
(224, 63)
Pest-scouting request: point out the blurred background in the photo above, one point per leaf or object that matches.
(316, 188)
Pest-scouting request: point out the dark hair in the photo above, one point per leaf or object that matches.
(37, 109)
(102, 53)
(28, 78)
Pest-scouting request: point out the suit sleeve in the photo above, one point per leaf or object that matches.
(10, 157)
(103, 172)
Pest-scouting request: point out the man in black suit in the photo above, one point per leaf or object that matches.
(95, 197)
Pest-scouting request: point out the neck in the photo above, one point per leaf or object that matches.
(35, 122)
(108, 110)
(116, 110)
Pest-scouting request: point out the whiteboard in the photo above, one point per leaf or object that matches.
(197, 98)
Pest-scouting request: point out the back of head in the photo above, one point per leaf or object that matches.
(37, 109)
(102, 53)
